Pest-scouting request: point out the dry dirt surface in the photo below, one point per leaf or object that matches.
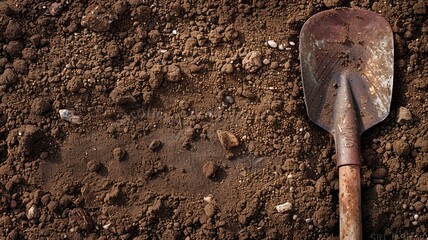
(184, 122)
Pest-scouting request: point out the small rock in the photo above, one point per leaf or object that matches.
(53, 206)
(96, 18)
(55, 9)
(209, 198)
(155, 145)
(266, 61)
(404, 116)
(119, 154)
(274, 65)
(93, 165)
(40, 105)
(138, 47)
(33, 212)
(227, 139)
(45, 199)
(227, 68)
(252, 61)
(379, 189)
(390, 187)
(69, 116)
(154, 36)
(401, 148)
(209, 169)
(209, 210)
(379, 173)
(285, 207)
(272, 44)
(229, 100)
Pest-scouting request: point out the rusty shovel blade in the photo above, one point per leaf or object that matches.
(352, 48)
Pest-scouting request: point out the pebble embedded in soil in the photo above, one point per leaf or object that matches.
(33, 212)
(209, 210)
(227, 68)
(227, 139)
(155, 145)
(93, 165)
(404, 116)
(96, 18)
(119, 154)
(252, 61)
(379, 173)
(285, 207)
(209, 169)
(272, 44)
(55, 8)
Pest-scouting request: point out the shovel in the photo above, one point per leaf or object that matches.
(346, 58)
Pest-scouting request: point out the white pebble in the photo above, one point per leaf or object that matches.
(292, 43)
(69, 116)
(307, 135)
(281, 47)
(295, 217)
(289, 176)
(416, 216)
(208, 199)
(107, 226)
(174, 32)
(266, 61)
(285, 207)
(272, 44)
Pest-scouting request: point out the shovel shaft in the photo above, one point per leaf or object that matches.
(350, 202)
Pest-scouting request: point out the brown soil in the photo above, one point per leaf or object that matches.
(153, 82)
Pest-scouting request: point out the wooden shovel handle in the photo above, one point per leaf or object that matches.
(350, 202)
